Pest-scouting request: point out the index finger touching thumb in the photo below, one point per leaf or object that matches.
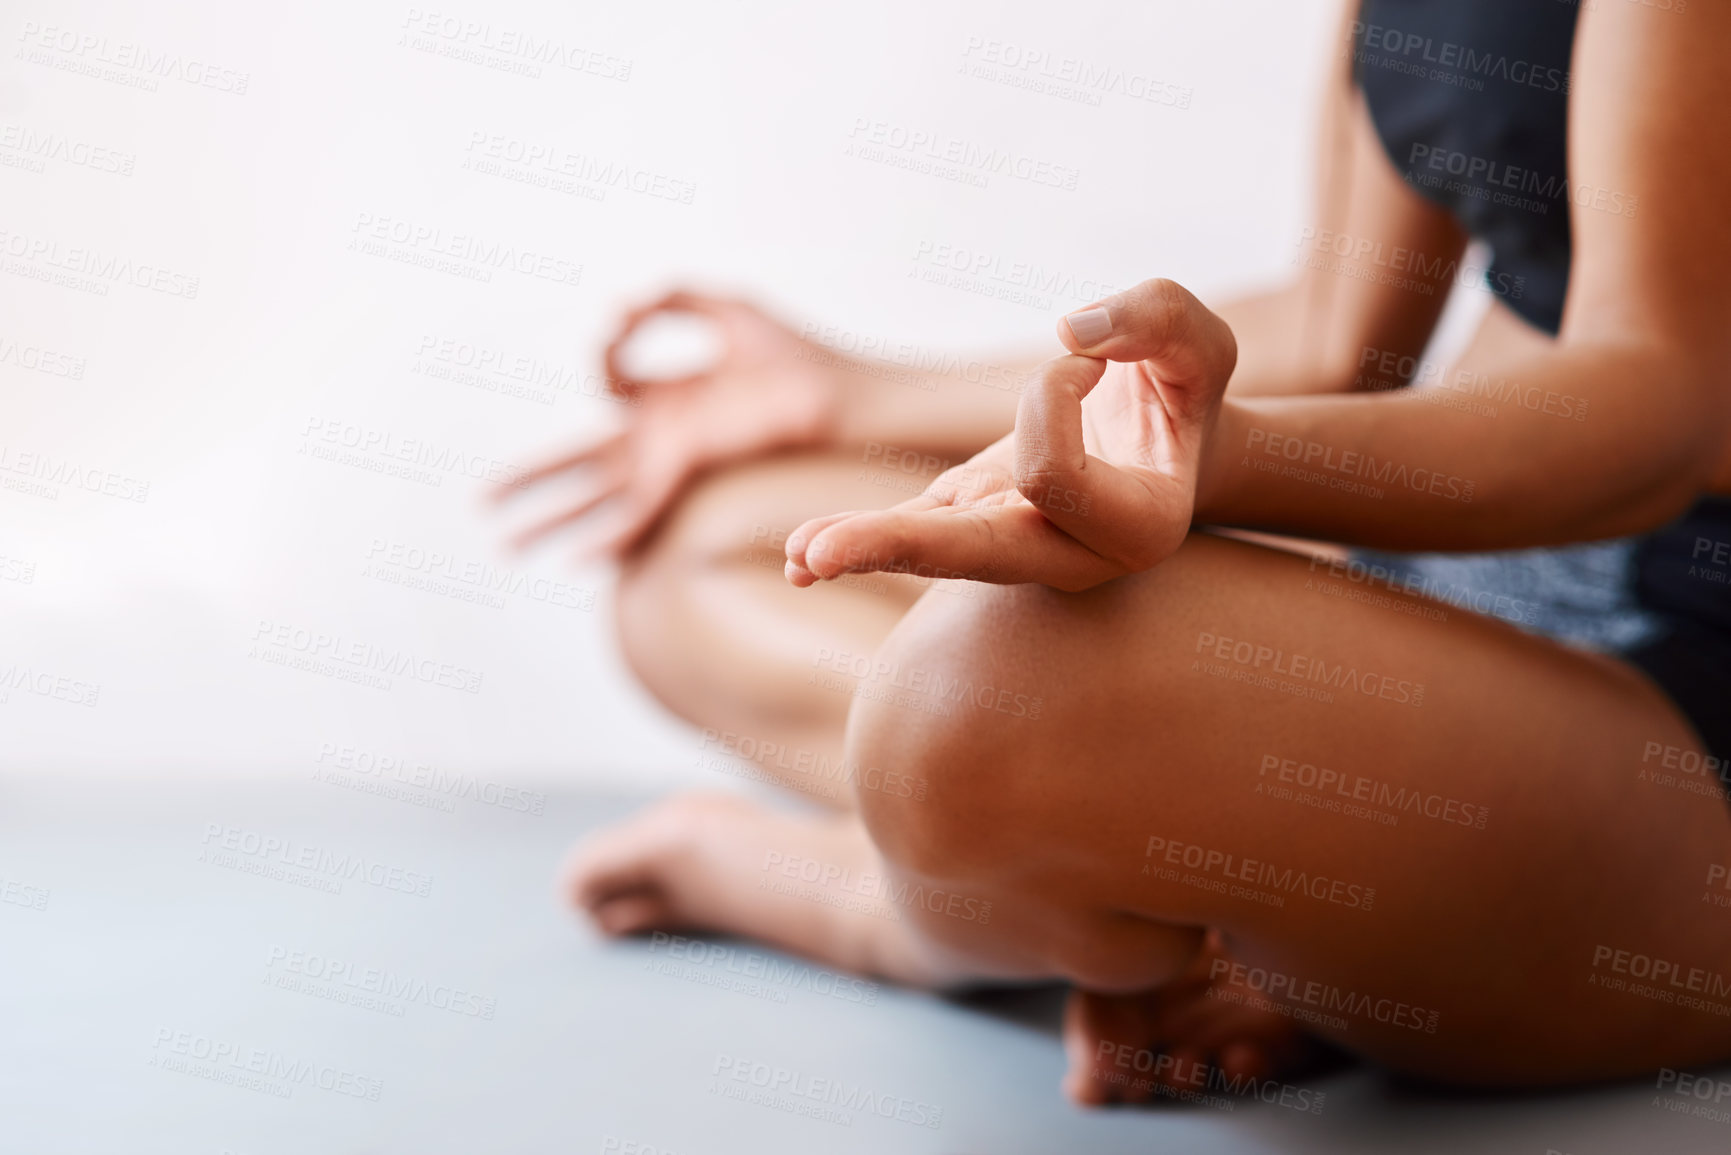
(1158, 321)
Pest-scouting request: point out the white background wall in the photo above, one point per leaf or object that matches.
(257, 194)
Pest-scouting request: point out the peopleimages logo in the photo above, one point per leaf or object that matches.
(39, 147)
(1352, 463)
(1174, 1077)
(1389, 370)
(1459, 64)
(371, 767)
(1482, 174)
(338, 979)
(23, 894)
(255, 1068)
(1019, 274)
(91, 54)
(833, 876)
(61, 688)
(1661, 979)
(877, 348)
(1257, 872)
(54, 471)
(1370, 259)
(553, 161)
(821, 767)
(1358, 788)
(371, 232)
(769, 972)
(511, 44)
(105, 268)
(280, 643)
(1306, 668)
(472, 580)
(1324, 997)
(873, 139)
(321, 862)
(39, 360)
(802, 1092)
(876, 673)
(1065, 77)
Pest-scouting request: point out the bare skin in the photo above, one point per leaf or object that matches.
(1149, 747)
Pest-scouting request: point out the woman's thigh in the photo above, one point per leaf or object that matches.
(1446, 843)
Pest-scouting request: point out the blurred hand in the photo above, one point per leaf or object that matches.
(768, 390)
(1098, 480)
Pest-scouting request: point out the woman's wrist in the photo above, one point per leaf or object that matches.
(1215, 471)
(880, 401)
(850, 396)
(862, 412)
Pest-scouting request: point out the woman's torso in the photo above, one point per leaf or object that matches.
(1469, 99)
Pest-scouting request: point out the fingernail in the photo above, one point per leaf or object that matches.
(795, 542)
(1090, 326)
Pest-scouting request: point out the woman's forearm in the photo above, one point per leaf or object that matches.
(1274, 359)
(947, 402)
(1567, 445)
(921, 399)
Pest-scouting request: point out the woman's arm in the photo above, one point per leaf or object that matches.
(1310, 334)
(1591, 440)
(1643, 359)
(1110, 464)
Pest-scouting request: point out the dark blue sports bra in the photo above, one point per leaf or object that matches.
(1471, 100)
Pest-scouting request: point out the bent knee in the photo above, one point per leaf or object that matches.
(952, 727)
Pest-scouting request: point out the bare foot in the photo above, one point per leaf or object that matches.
(722, 863)
(1189, 1035)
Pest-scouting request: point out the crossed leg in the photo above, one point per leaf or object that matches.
(710, 625)
(1113, 772)
(1175, 779)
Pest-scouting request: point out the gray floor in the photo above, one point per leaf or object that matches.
(156, 996)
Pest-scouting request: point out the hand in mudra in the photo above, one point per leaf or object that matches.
(770, 389)
(1097, 481)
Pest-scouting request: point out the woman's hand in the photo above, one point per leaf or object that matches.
(1098, 480)
(768, 390)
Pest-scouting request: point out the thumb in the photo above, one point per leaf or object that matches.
(1187, 348)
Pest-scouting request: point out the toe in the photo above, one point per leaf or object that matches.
(1103, 1035)
(639, 853)
(1187, 1067)
(1083, 1082)
(631, 913)
(612, 864)
(1243, 1060)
